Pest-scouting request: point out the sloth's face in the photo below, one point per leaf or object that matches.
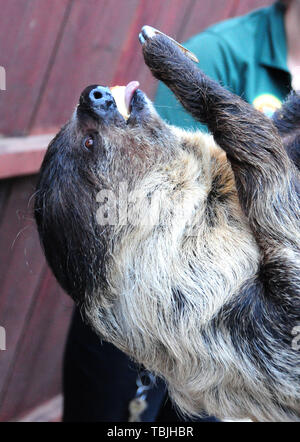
(94, 152)
(119, 106)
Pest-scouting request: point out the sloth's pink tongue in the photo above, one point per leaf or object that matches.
(129, 91)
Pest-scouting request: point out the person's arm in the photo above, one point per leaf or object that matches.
(216, 60)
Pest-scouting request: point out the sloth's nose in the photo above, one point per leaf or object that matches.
(100, 98)
(97, 102)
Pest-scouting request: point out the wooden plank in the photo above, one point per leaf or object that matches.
(88, 54)
(204, 14)
(50, 411)
(245, 6)
(33, 379)
(21, 268)
(33, 310)
(21, 163)
(22, 155)
(28, 31)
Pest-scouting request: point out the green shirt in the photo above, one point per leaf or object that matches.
(247, 55)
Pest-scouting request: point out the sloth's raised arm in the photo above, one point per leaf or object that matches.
(265, 177)
(227, 116)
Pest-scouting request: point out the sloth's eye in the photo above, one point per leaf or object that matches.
(89, 142)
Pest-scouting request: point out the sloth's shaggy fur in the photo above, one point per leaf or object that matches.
(201, 283)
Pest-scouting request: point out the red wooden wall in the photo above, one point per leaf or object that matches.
(51, 50)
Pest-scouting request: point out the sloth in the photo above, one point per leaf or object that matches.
(183, 248)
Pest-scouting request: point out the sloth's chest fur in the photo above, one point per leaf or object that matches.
(187, 242)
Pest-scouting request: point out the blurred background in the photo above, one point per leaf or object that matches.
(51, 50)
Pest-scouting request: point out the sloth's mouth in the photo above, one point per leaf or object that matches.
(130, 90)
(123, 96)
(118, 105)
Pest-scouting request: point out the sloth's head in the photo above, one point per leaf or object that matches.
(94, 152)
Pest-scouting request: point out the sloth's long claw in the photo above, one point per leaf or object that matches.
(149, 32)
(141, 38)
